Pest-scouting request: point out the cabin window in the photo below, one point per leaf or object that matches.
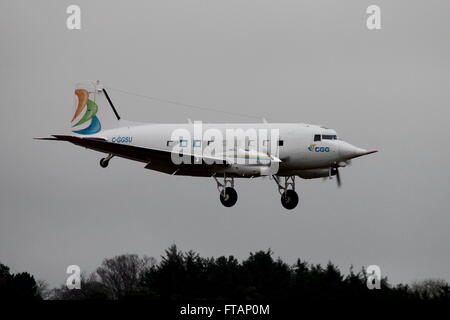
(329, 137)
(280, 143)
(317, 137)
(197, 143)
(183, 143)
(169, 143)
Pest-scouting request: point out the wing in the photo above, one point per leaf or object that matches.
(155, 159)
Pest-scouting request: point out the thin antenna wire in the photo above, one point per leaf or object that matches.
(184, 104)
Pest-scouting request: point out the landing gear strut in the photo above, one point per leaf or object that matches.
(228, 196)
(104, 162)
(289, 198)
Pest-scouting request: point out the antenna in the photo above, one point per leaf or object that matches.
(111, 104)
(192, 106)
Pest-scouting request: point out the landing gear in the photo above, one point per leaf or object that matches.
(104, 162)
(289, 198)
(228, 196)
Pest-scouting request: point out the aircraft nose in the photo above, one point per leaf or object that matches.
(348, 151)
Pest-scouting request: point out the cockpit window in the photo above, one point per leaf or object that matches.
(329, 137)
(317, 137)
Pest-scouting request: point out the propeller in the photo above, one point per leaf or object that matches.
(338, 178)
(335, 172)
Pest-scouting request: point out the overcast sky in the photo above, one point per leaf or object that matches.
(289, 61)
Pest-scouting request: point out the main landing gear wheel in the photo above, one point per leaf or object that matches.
(289, 199)
(228, 197)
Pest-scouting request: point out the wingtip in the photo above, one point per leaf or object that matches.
(46, 138)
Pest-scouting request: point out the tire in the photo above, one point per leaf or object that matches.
(230, 197)
(289, 199)
(103, 163)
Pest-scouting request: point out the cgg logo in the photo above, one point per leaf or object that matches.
(122, 139)
(313, 147)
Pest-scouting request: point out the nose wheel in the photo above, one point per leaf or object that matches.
(228, 195)
(289, 198)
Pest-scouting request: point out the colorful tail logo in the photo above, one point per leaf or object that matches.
(90, 114)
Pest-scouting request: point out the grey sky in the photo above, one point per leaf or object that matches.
(289, 61)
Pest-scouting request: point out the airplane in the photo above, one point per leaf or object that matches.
(282, 151)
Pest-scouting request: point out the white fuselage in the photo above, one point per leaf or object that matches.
(305, 150)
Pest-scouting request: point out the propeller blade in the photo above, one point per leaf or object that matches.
(338, 178)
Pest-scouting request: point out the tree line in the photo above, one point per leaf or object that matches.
(188, 276)
(18, 286)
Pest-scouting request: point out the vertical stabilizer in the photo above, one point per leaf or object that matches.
(94, 111)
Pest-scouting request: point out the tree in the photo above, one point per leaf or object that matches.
(91, 289)
(264, 277)
(223, 278)
(121, 275)
(431, 289)
(43, 289)
(17, 286)
(167, 279)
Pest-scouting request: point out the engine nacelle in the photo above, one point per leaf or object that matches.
(252, 171)
(243, 170)
(316, 173)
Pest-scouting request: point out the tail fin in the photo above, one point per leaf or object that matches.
(92, 113)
